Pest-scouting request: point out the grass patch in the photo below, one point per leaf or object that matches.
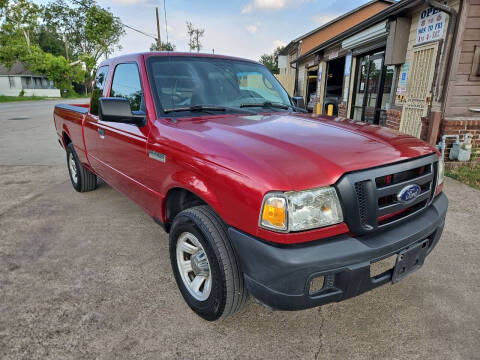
(19, 98)
(468, 174)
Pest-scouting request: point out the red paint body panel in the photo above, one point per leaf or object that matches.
(231, 161)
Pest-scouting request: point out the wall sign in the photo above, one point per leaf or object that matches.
(348, 64)
(346, 74)
(402, 83)
(430, 25)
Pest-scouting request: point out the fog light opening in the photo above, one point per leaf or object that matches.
(316, 284)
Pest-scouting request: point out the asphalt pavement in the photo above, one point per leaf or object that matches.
(87, 276)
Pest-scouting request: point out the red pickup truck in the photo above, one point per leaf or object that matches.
(258, 197)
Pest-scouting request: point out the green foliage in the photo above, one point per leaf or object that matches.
(21, 93)
(40, 36)
(102, 31)
(194, 37)
(166, 46)
(4, 99)
(271, 60)
(49, 41)
(468, 174)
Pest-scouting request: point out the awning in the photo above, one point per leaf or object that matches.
(375, 33)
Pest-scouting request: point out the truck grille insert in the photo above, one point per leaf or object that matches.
(369, 197)
(361, 191)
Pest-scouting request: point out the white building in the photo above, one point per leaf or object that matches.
(18, 78)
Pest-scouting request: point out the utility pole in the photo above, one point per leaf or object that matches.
(158, 31)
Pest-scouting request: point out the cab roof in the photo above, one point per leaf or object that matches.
(145, 55)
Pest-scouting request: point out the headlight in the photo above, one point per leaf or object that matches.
(302, 210)
(440, 172)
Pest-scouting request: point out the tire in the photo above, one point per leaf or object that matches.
(227, 293)
(82, 179)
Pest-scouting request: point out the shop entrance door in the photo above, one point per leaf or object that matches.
(369, 88)
(419, 88)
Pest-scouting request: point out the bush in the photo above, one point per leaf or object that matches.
(21, 93)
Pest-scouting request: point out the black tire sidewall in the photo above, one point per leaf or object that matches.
(71, 150)
(211, 308)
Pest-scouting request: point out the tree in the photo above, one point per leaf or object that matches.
(19, 18)
(49, 41)
(85, 27)
(271, 60)
(194, 37)
(166, 46)
(88, 31)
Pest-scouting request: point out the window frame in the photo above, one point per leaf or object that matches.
(140, 111)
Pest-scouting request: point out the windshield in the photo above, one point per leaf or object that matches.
(182, 82)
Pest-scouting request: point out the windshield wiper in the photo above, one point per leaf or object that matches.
(196, 108)
(207, 108)
(266, 104)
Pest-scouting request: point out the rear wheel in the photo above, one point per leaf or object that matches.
(82, 179)
(204, 263)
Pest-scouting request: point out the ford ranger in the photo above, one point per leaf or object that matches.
(258, 197)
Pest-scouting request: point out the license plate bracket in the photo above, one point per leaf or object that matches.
(409, 260)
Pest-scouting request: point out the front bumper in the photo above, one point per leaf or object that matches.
(280, 276)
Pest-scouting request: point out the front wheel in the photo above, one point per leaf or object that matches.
(205, 266)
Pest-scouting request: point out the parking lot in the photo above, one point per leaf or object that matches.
(88, 276)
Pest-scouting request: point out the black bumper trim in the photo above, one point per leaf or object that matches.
(279, 277)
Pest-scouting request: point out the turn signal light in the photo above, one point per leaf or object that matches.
(274, 213)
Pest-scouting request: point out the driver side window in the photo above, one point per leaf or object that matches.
(126, 84)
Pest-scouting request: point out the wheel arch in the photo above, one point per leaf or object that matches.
(185, 195)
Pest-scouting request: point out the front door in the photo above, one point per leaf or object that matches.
(369, 88)
(419, 87)
(123, 147)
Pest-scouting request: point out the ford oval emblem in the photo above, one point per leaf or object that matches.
(409, 193)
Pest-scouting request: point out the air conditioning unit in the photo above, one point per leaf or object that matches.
(397, 41)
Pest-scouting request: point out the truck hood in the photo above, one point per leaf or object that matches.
(286, 151)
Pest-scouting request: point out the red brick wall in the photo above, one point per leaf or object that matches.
(393, 119)
(342, 110)
(460, 127)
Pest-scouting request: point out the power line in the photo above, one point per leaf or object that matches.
(139, 31)
(124, 25)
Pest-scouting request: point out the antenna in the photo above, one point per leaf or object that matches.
(165, 12)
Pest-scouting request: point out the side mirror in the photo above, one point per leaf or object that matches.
(118, 110)
(298, 102)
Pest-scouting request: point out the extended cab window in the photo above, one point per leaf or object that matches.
(126, 84)
(98, 86)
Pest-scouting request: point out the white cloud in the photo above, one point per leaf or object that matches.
(324, 18)
(251, 29)
(278, 43)
(254, 5)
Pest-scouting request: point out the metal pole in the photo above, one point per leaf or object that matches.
(159, 42)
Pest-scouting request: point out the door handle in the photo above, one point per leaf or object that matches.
(101, 132)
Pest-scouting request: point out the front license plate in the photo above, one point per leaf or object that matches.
(409, 260)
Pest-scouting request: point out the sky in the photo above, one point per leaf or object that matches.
(244, 28)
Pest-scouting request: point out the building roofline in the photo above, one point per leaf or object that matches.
(395, 9)
(341, 17)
